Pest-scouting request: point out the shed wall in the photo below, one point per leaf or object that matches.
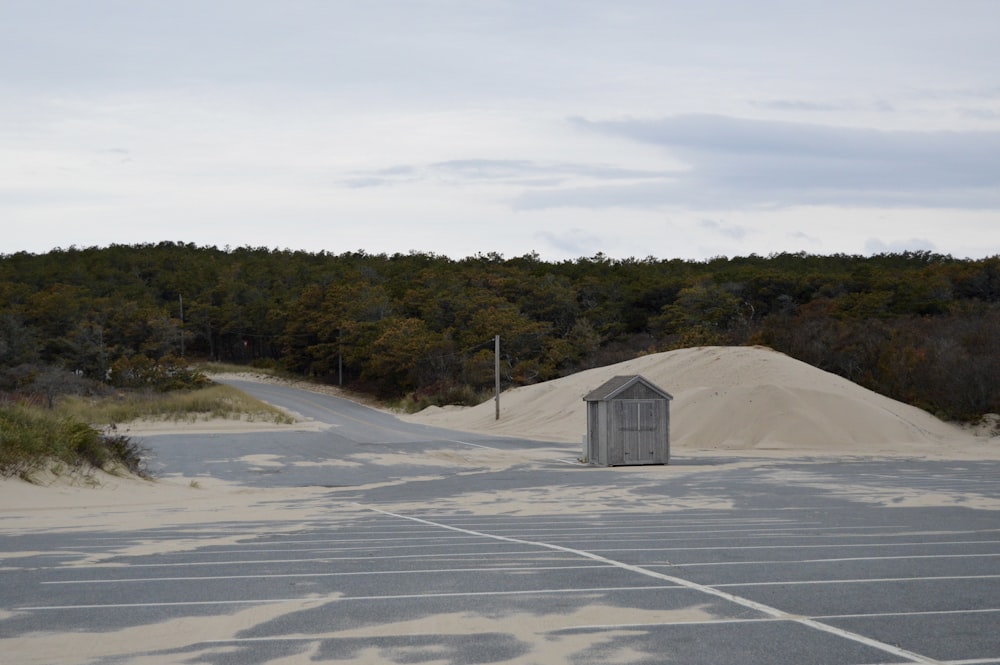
(596, 433)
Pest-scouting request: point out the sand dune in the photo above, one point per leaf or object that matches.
(726, 398)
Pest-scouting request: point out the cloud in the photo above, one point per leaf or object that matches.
(816, 106)
(981, 113)
(519, 172)
(735, 162)
(798, 105)
(877, 246)
(734, 231)
(392, 175)
(573, 242)
(484, 169)
(802, 237)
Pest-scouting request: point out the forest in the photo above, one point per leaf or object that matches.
(419, 328)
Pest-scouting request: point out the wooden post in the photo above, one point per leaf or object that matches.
(496, 370)
(181, 298)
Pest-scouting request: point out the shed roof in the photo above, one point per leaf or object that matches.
(612, 387)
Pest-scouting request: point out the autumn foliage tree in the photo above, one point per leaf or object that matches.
(916, 326)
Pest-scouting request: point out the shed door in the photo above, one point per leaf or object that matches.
(638, 423)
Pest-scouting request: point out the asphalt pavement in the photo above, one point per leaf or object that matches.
(712, 561)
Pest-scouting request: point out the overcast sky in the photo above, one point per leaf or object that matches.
(665, 128)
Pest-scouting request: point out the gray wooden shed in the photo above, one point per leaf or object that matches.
(628, 422)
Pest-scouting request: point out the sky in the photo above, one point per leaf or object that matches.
(566, 128)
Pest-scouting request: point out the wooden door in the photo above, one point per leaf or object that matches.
(638, 423)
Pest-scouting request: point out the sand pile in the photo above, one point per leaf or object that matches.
(724, 398)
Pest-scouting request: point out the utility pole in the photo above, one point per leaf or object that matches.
(104, 362)
(181, 298)
(496, 370)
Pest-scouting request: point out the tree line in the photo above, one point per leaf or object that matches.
(916, 326)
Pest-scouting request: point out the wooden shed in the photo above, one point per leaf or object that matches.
(628, 422)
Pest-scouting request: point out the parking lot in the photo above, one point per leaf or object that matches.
(809, 585)
(711, 561)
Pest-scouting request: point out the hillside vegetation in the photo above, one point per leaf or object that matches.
(918, 327)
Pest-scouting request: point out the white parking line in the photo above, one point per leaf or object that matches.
(786, 546)
(634, 520)
(858, 581)
(324, 559)
(474, 445)
(868, 615)
(319, 600)
(447, 538)
(771, 562)
(373, 573)
(615, 626)
(763, 530)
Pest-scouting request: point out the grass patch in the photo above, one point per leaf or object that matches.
(81, 432)
(32, 439)
(266, 368)
(217, 401)
(459, 395)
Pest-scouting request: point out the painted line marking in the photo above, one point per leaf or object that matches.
(759, 533)
(745, 602)
(257, 546)
(499, 569)
(324, 636)
(988, 610)
(325, 559)
(342, 599)
(353, 548)
(833, 560)
(602, 627)
(474, 445)
(860, 581)
(798, 547)
(750, 526)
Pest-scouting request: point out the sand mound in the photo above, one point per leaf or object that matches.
(724, 398)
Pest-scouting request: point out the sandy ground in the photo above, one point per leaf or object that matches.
(746, 399)
(745, 402)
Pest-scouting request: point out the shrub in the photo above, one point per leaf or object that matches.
(442, 394)
(124, 451)
(84, 444)
(163, 375)
(31, 438)
(26, 440)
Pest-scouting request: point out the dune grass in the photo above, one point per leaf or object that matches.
(260, 367)
(216, 401)
(81, 432)
(33, 439)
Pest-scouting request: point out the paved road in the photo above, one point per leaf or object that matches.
(420, 559)
(301, 459)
